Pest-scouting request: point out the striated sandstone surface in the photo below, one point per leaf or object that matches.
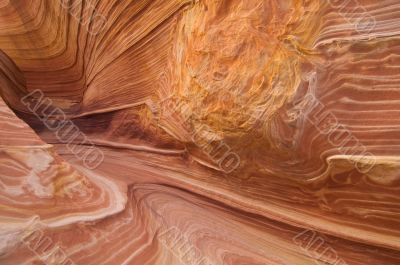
(199, 132)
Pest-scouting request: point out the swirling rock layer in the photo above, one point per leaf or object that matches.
(230, 132)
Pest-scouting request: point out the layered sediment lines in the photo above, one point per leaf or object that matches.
(37, 185)
(233, 132)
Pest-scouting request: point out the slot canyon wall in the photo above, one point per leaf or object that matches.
(200, 132)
